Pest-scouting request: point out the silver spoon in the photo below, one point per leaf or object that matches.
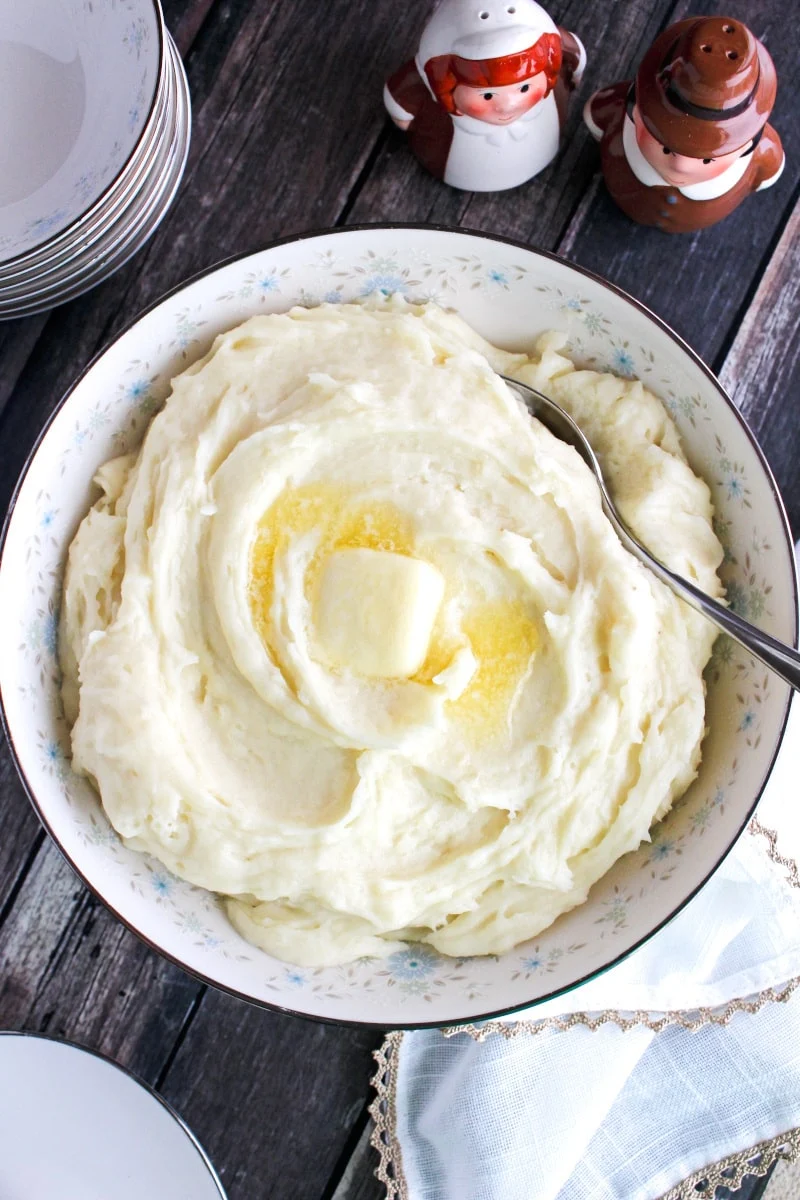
(781, 659)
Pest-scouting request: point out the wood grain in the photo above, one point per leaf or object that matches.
(184, 21)
(72, 970)
(289, 134)
(274, 1127)
(21, 832)
(358, 1181)
(17, 340)
(762, 369)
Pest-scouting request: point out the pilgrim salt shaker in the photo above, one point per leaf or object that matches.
(485, 98)
(687, 140)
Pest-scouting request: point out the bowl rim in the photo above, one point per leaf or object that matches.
(72, 228)
(698, 362)
(33, 1035)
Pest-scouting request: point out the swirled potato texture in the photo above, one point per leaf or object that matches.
(351, 643)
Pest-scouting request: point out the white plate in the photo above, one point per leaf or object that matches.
(91, 264)
(78, 81)
(510, 293)
(75, 1126)
(93, 222)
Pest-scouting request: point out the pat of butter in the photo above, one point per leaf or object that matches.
(375, 611)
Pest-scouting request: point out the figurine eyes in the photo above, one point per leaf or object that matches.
(666, 150)
(526, 87)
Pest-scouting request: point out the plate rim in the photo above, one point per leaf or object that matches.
(70, 228)
(387, 226)
(109, 259)
(34, 1035)
(58, 252)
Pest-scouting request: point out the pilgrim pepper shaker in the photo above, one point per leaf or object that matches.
(687, 140)
(486, 97)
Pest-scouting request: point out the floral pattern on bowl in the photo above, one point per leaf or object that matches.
(511, 294)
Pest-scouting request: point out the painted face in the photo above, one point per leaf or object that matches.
(679, 169)
(500, 105)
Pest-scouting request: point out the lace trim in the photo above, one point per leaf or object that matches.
(729, 1172)
(383, 1111)
(686, 1020)
(790, 866)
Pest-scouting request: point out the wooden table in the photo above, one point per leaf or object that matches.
(290, 135)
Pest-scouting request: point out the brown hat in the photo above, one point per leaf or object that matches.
(706, 86)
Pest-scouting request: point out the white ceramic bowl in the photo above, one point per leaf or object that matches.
(93, 223)
(510, 293)
(125, 225)
(78, 81)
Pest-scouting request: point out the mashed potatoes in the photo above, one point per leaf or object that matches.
(351, 642)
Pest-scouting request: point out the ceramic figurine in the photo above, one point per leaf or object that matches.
(688, 139)
(486, 96)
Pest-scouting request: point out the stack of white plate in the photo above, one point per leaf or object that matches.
(96, 119)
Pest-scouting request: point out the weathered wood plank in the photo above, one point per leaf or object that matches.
(762, 368)
(358, 1181)
(20, 831)
(272, 1098)
(17, 340)
(70, 969)
(184, 20)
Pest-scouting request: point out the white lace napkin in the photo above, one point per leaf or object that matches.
(667, 1078)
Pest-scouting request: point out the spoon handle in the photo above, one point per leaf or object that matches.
(780, 658)
(776, 655)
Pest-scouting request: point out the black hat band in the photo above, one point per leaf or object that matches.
(699, 111)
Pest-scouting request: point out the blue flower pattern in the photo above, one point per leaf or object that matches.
(136, 37)
(161, 883)
(417, 968)
(417, 962)
(138, 389)
(385, 285)
(622, 362)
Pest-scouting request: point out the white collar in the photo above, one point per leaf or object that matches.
(498, 134)
(709, 189)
